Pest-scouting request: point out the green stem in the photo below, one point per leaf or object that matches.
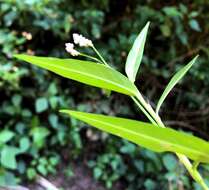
(183, 159)
(90, 57)
(195, 165)
(149, 110)
(100, 56)
(193, 171)
(143, 110)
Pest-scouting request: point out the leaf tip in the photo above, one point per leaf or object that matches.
(64, 111)
(19, 56)
(69, 112)
(195, 58)
(148, 24)
(16, 56)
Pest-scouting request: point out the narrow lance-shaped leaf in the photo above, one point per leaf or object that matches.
(147, 135)
(84, 71)
(135, 55)
(174, 80)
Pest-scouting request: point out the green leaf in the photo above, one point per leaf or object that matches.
(150, 184)
(170, 162)
(39, 134)
(84, 71)
(53, 120)
(31, 173)
(24, 144)
(9, 179)
(174, 80)
(42, 169)
(16, 100)
(148, 135)
(5, 136)
(172, 11)
(8, 154)
(97, 172)
(135, 55)
(41, 105)
(194, 25)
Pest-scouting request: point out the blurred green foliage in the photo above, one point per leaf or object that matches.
(34, 138)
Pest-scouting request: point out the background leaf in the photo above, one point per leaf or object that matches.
(135, 55)
(174, 80)
(148, 135)
(8, 155)
(41, 105)
(84, 71)
(194, 25)
(39, 134)
(24, 144)
(6, 135)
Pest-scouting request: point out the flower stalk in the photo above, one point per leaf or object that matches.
(100, 56)
(91, 57)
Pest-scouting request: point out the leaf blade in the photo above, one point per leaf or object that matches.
(84, 71)
(148, 135)
(174, 80)
(135, 55)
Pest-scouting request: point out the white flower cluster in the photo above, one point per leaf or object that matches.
(70, 49)
(82, 41)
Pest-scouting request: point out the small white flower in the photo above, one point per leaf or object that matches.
(76, 38)
(70, 49)
(81, 40)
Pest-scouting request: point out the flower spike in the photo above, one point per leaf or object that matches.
(81, 40)
(70, 49)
